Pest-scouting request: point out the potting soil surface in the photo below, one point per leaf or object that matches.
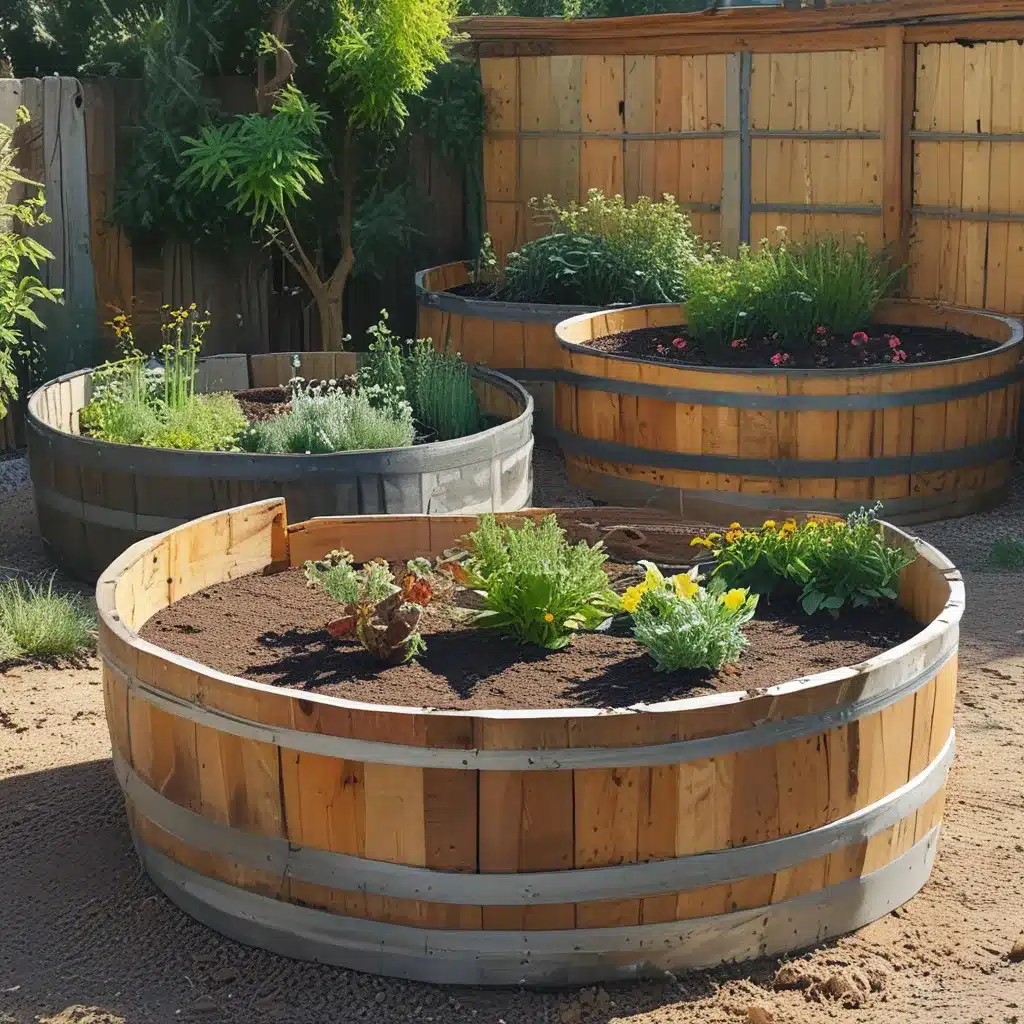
(271, 629)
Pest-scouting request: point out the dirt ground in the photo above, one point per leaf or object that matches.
(86, 939)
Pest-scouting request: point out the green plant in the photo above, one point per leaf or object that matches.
(324, 420)
(791, 292)
(605, 251)
(686, 626)
(827, 563)
(37, 622)
(18, 291)
(158, 408)
(1007, 553)
(383, 52)
(376, 611)
(440, 388)
(536, 586)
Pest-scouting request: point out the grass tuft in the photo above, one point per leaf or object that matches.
(37, 622)
(1007, 553)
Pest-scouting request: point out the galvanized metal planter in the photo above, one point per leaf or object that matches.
(94, 499)
(930, 440)
(547, 847)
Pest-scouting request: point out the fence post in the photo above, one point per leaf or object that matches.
(899, 76)
(735, 206)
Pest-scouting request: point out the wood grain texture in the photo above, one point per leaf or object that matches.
(478, 822)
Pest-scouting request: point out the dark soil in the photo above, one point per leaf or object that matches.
(475, 290)
(272, 629)
(261, 404)
(921, 345)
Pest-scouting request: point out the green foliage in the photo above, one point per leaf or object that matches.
(19, 291)
(437, 385)
(440, 389)
(686, 626)
(267, 163)
(336, 576)
(787, 291)
(604, 251)
(176, 44)
(1007, 553)
(132, 404)
(37, 622)
(537, 587)
(324, 420)
(384, 52)
(829, 564)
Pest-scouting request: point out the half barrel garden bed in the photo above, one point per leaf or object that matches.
(95, 498)
(644, 419)
(496, 813)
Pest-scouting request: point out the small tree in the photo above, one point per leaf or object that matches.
(383, 52)
(18, 291)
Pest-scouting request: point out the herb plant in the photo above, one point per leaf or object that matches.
(604, 251)
(536, 586)
(376, 611)
(686, 626)
(324, 420)
(796, 294)
(19, 291)
(158, 407)
(828, 565)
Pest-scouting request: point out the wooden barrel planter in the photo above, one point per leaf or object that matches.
(94, 498)
(930, 440)
(541, 847)
(515, 338)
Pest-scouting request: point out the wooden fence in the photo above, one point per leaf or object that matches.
(78, 140)
(901, 121)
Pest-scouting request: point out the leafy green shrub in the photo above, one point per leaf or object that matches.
(36, 622)
(828, 564)
(790, 291)
(18, 291)
(205, 423)
(324, 420)
(536, 586)
(604, 251)
(685, 626)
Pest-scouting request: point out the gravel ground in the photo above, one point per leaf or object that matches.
(13, 473)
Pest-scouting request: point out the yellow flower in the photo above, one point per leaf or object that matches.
(734, 599)
(653, 577)
(697, 542)
(548, 617)
(789, 524)
(813, 524)
(685, 586)
(734, 526)
(733, 535)
(769, 524)
(714, 536)
(631, 598)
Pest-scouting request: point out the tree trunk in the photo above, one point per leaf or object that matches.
(332, 326)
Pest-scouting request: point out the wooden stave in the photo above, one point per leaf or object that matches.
(900, 839)
(76, 477)
(694, 480)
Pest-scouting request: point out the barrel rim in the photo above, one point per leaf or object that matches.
(274, 463)
(934, 632)
(494, 309)
(1014, 341)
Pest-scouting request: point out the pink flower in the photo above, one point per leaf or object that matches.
(739, 343)
(780, 358)
(662, 350)
(899, 355)
(859, 338)
(894, 342)
(821, 331)
(679, 343)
